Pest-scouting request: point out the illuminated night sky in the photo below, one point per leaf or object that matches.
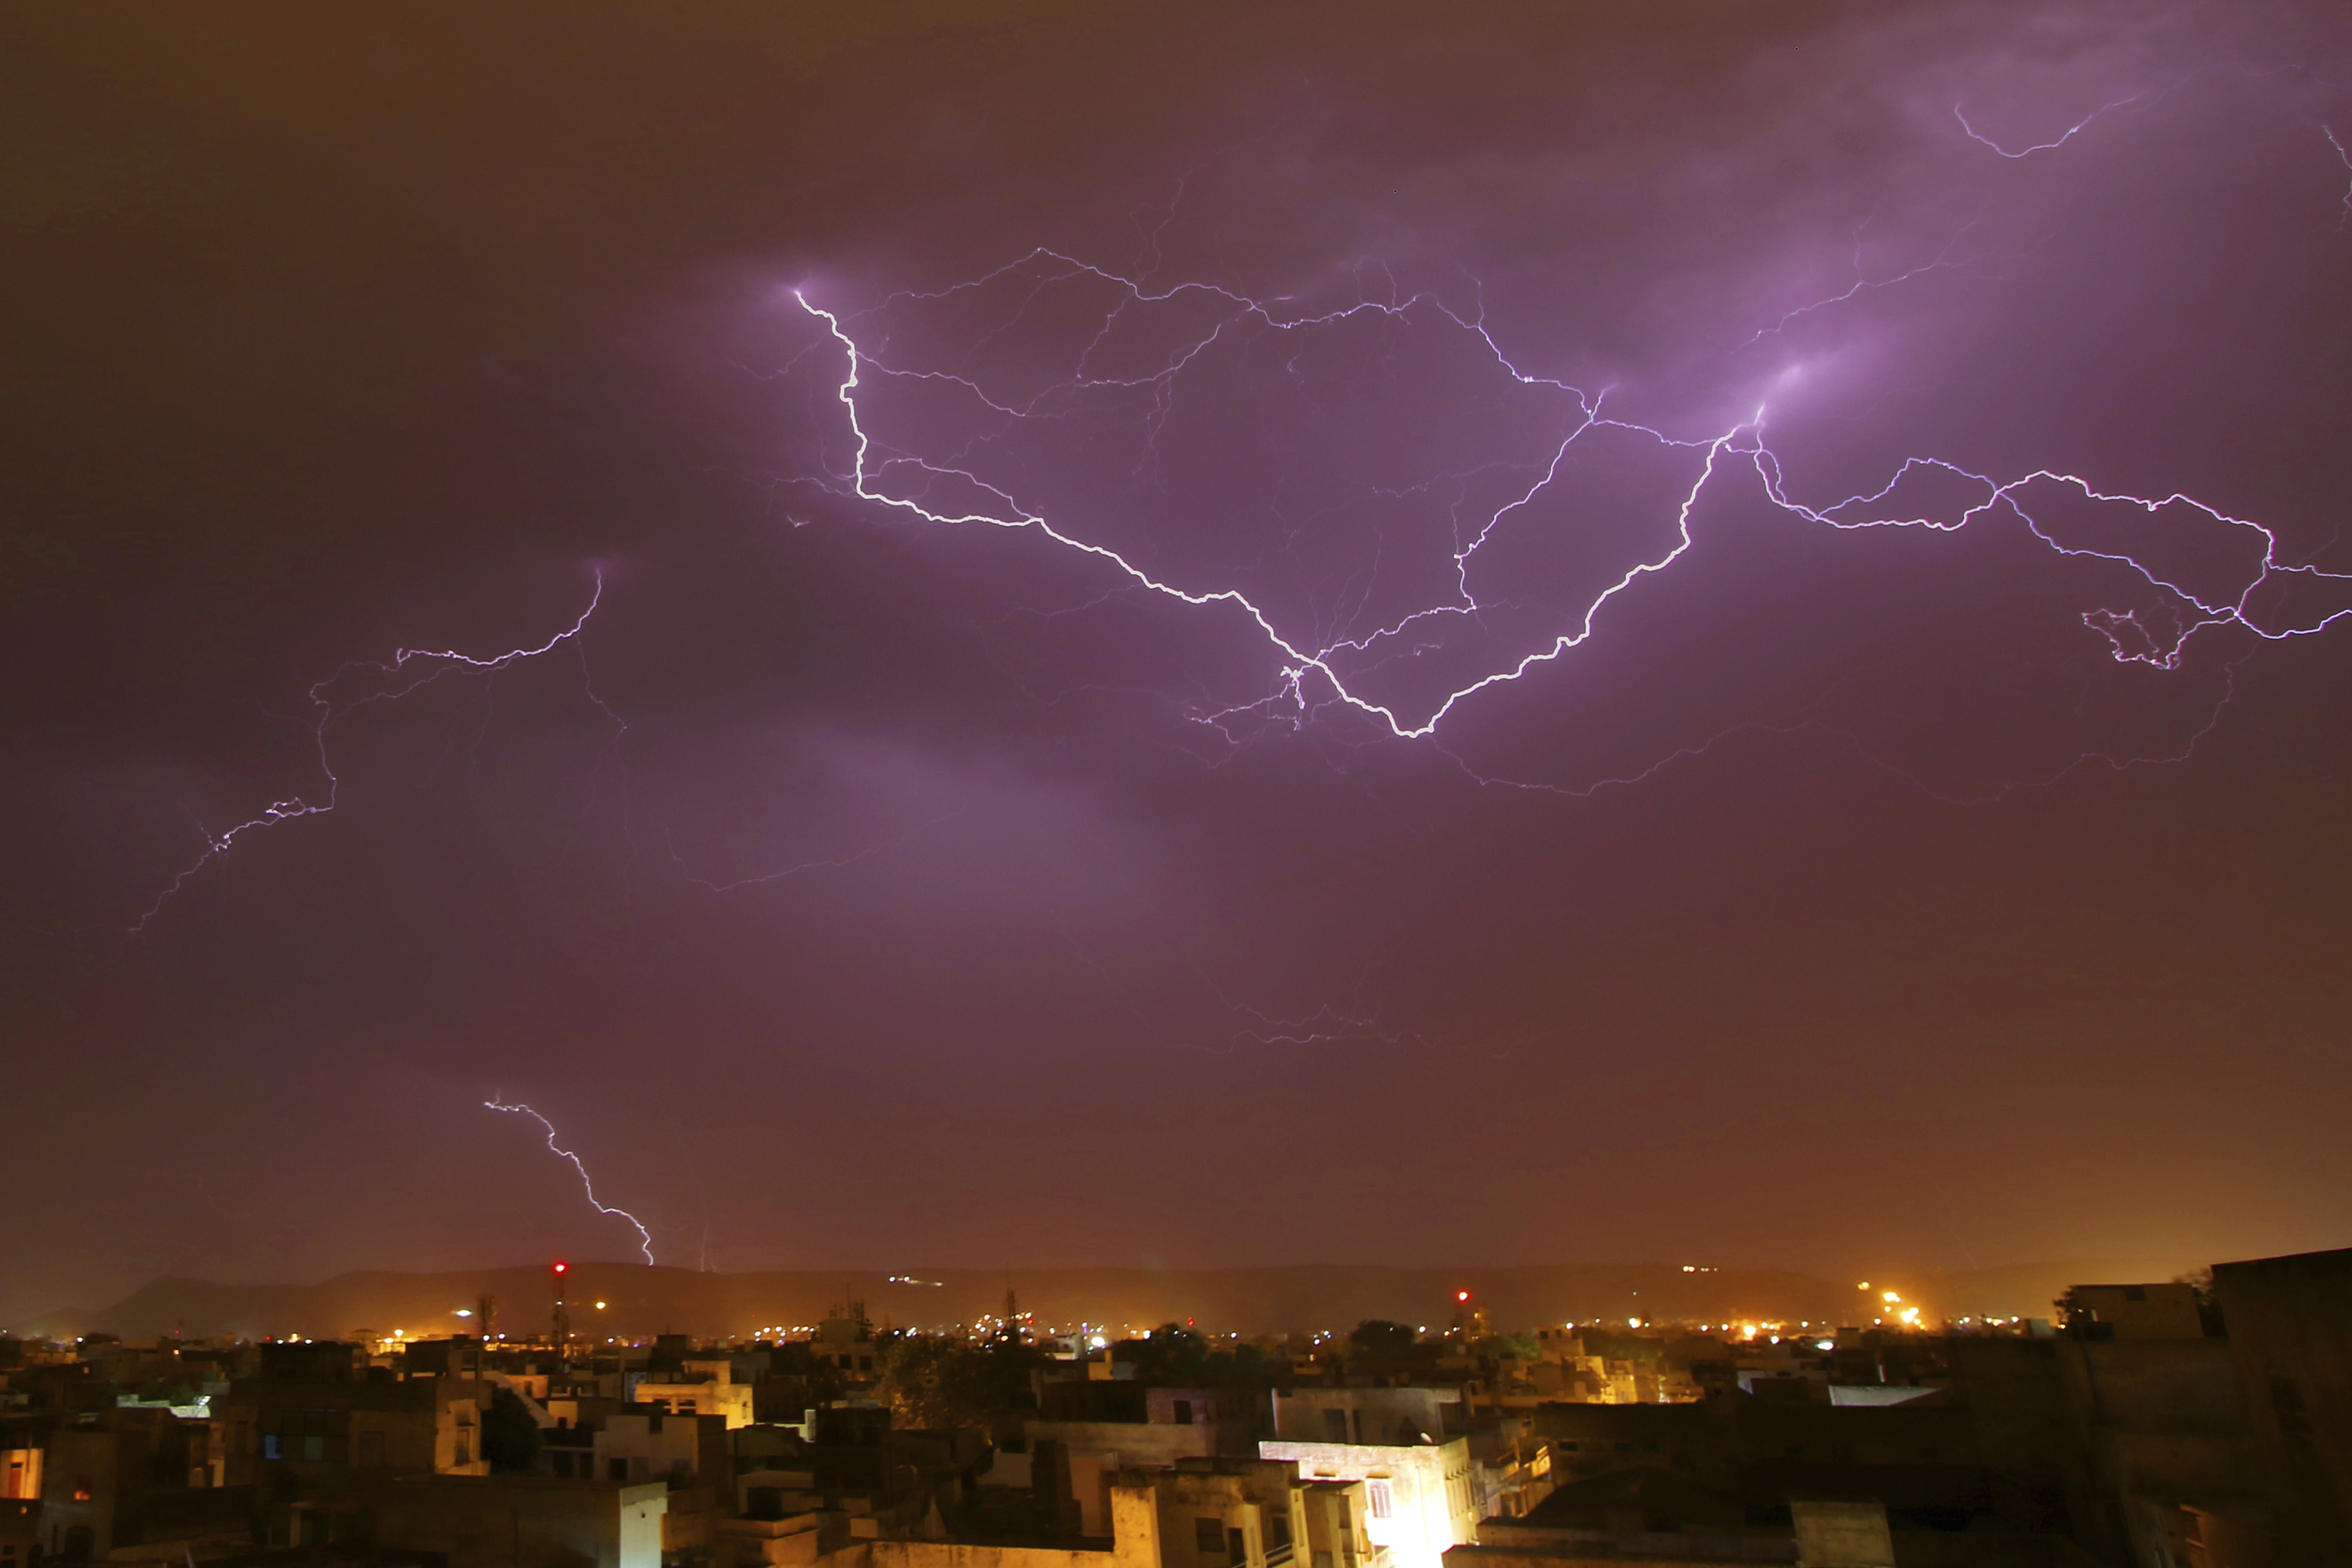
(1091, 635)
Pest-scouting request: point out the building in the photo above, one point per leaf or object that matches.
(1094, 1430)
(699, 1386)
(1329, 1519)
(111, 1480)
(635, 1446)
(2290, 1339)
(20, 1533)
(1377, 1416)
(2133, 1311)
(1222, 1512)
(521, 1521)
(845, 1341)
(20, 1460)
(1643, 1513)
(304, 1427)
(1417, 1497)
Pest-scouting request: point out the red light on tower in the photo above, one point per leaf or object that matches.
(1458, 1295)
(563, 1268)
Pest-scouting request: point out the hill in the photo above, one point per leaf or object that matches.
(638, 1300)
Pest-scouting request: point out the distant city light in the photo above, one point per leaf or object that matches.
(464, 1311)
(1825, 1344)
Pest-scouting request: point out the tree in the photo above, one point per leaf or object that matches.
(1523, 1346)
(1380, 1337)
(796, 1362)
(932, 1383)
(1173, 1356)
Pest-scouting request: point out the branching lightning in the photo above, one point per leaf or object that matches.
(1337, 668)
(409, 670)
(644, 1238)
(1312, 674)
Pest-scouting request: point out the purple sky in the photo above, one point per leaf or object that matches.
(858, 889)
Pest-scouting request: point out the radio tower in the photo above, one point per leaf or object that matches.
(562, 1318)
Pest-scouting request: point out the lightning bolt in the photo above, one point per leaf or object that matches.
(1335, 667)
(409, 670)
(1311, 674)
(2345, 159)
(644, 1238)
(2071, 132)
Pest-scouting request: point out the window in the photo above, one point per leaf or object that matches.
(2135, 1292)
(1335, 1425)
(314, 1449)
(1209, 1537)
(1183, 1413)
(269, 1446)
(866, 1363)
(1379, 1501)
(83, 1486)
(371, 1448)
(653, 1425)
(618, 1469)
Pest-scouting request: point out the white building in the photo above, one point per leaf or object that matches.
(1417, 1498)
(702, 1387)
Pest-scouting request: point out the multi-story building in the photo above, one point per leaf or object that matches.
(307, 1429)
(1417, 1496)
(699, 1386)
(634, 1446)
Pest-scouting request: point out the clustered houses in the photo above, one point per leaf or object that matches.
(2151, 1425)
